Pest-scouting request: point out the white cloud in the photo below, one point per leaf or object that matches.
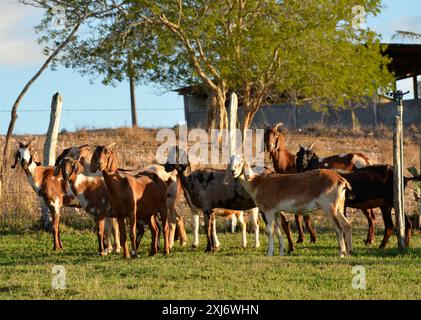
(18, 44)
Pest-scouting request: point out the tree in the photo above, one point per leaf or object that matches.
(80, 11)
(267, 51)
(407, 35)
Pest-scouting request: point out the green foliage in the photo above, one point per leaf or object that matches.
(266, 51)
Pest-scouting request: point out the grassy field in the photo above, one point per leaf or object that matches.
(312, 272)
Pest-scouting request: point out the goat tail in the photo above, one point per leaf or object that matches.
(349, 193)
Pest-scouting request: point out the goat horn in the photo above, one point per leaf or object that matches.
(277, 126)
(312, 145)
(30, 142)
(111, 144)
(84, 146)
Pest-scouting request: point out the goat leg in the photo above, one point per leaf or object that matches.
(181, 231)
(287, 230)
(310, 229)
(54, 228)
(299, 228)
(208, 230)
(140, 233)
(100, 236)
(133, 223)
(154, 234)
(388, 225)
(408, 231)
(123, 237)
(369, 213)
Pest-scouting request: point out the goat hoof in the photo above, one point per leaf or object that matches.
(194, 246)
(313, 240)
(368, 242)
(300, 240)
(183, 244)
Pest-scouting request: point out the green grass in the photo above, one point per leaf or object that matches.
(312, 272)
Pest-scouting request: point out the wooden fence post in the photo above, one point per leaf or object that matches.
(52, 134)
(50, 146)
(233, 124)
(397, 184)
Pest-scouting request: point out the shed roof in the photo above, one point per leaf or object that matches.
(406, 59)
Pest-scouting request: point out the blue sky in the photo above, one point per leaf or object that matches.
(20, 57)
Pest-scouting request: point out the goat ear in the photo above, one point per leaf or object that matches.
(112, 162)
(77, 167)
(16, 160)
(56, 170)
(35, 158)
(227, 176)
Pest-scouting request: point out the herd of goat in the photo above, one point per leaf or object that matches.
(301, 184)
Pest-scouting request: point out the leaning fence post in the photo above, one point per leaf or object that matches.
(52, 133)
(50, 146)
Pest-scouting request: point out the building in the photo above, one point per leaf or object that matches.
(406, 63)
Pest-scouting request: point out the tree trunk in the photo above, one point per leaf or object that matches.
(211, 112)
(133, 102)
(22, 94)
(132, 83)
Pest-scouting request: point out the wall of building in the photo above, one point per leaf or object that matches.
(305, 116)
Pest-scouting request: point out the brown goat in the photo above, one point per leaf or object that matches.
(136, 198)
(84, 156)
(93, 196)
(50, 189)
(285, 162)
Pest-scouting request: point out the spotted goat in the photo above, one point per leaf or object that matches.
(94, 199)
(205, 190)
